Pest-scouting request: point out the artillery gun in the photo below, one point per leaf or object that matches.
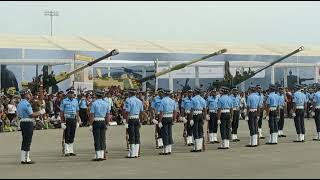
(129, 81)
(230, 81)
(50, 80)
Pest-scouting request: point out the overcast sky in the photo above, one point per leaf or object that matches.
(274, 22)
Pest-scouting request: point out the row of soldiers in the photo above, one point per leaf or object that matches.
(218, 109)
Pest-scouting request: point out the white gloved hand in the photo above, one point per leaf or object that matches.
(184, 120)
(267, 118)
(208, 117)
(124, 121)
(160, 125)
(181, 118)
(293, 114)
(155, 121)
(90, 128)
(245, 111)
(63, 126)
(78, 125)
(126, 125)
(42, 111)
(246, 118)
(219, 122)
(191, 122)
(313, 114)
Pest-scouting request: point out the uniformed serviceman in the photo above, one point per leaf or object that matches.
(261, 106)
(69, 120)
(98, 119)
(167, 117)
(253, 103)
(186, 111)
(224, 110)
(134, 110)
(282, 102)
(235, 97)
(272, 111)
(299, 107)
(26, 114)
(156, 106)
(198, 112)
(212, 104)
(316, 110)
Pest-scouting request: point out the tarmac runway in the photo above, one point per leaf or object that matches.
(285, 160)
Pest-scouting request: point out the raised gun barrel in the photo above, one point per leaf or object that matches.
(182, 65)
(240, 80)
(65, 76)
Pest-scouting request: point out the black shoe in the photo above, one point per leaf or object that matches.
(163, 153)
(316, 139)
(190, 145)
(195, 151)
(248, 145)
(94, 159)
(236, 140)
(262, 137)
(216, 141)
(268, 143)
(297, 141)
(223, 148)
(212, 142)
(129, 157)
(30, 162)
(169, 153)
(73, 154)
(67, 155)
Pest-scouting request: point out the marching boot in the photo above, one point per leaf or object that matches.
(137, 146)
(275, 138)
(23, 157)
(250, 142)
(71, 150)
(165, 150)
(131, 151)
(298, 138)
(66, 150)
(302, 137)
(255, 140)
(270, 139)
(318, 137)
(169, 149)
(260, 134)
(199, 145)
(195, 146)
(96, 155)
(27, 158)
(211, 141)
(222, 144)
(189, 140)
(215, 138)
(160, 143)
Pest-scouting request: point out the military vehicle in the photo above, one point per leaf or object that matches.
(127, 81)
(230, 81)
(50, 80)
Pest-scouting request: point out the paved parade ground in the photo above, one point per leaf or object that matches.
(285, 160)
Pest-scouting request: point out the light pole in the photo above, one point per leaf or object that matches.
(51, 13)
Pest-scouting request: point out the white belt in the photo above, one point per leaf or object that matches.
(26, 120)
(158, 113)
(167, 115)
(134, 117)
(317, 107)
(300, 107)
(99, 119)
(235, 109)
(273, 108)
(69, 115)
(281, 107)
(212, 111)
(197, 112)
(225, 110)
(252, 110)
(187, 112)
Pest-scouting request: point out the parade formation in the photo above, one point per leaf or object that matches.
(201, 111)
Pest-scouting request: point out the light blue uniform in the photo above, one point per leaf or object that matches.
(212, 103)
(69, 106)
(299, 98)
(316, 98)
(235, 101)
(99, 108)
(198, 103)
(133, 106)
(253, 101)
(24, 109)
(281, 100)
(273, 100)
(261, 98)
(167, 105)
(186, 104)
(156, 103)
(83, 104)
(225, 102)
